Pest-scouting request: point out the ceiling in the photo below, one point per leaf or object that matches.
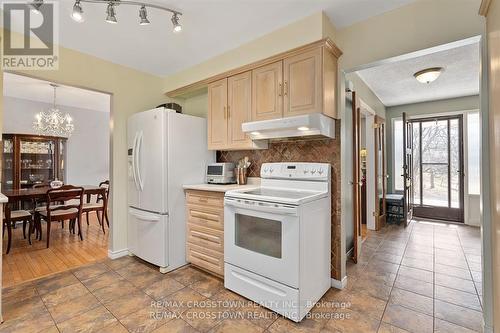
(394, 84)
(210, 27)
(19, 86)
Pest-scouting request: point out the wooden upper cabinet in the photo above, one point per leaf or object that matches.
(217, 115)
(239, 109)
(303, 85)
(267, 92)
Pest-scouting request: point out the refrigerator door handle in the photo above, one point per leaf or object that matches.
(140, 140)
(144, 216)
(134, 153)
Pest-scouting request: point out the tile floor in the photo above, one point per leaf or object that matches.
(421, 279)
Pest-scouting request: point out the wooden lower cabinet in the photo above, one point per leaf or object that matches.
(205, 230)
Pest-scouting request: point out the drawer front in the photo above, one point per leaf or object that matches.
(206, 217)
(205, 198)
(210, 260)
(205, 237)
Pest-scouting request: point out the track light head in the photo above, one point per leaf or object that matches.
(111, 18)
(143, 14)
(35, 6)
(175, 22)
(77, 13)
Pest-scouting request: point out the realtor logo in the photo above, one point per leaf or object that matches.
(30, 35)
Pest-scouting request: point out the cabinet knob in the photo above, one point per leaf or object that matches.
(286, 88)
(279, 89)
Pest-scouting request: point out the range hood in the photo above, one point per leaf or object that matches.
(314, 124)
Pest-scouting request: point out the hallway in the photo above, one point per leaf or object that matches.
(423, 278)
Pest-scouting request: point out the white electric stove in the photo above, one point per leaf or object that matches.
(277, 238)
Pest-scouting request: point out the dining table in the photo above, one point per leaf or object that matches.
(40, 193)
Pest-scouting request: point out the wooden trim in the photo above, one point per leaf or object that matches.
(326, 42)
(485, 6)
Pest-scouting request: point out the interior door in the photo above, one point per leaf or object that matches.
(380, 173)
(407, 170)
(217, 115)
(267, 92)
(239, 108)
(356, 176)
(302, 84)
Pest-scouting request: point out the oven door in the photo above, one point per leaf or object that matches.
(263, 238)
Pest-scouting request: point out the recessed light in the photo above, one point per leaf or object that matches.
(255, 133)
(428, 75)
(303, 128)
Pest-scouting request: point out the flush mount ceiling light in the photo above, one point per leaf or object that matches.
(77, 13)
(428, 75)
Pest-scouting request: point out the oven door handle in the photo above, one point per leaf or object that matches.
(260, 206)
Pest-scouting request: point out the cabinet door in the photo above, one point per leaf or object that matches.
(217, 115)
(303, 84)
(239, 109)
(267, 92)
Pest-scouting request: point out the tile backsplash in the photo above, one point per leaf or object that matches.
(319, 150)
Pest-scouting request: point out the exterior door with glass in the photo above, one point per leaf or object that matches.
(438, 168)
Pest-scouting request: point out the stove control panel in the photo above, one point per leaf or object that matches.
(296, 170)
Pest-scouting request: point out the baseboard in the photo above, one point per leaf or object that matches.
(117, 254)
(339, 284)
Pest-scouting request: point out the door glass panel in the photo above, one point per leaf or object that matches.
(455, 168)
(473, 152)
(8, 164)
(259, 235)
(435, 141)
(398, 154)
(435, 185)
(416, 163)
(37, 162)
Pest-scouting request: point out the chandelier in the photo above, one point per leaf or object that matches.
(52, 122)
(77, 13)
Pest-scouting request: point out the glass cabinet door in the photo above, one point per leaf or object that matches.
(37, 162)
(8, 164)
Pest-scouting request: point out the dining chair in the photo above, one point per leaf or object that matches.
(13, 217)
(70, 208)
(99, 206)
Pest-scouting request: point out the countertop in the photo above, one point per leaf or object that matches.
(251, 182)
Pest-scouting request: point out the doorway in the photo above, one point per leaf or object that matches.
(437, 168)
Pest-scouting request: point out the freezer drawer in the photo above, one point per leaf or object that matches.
(268, 293)
(147, 236)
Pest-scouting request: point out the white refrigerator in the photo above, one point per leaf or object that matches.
(165, 150)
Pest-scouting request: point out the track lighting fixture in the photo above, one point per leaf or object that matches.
(77, 13)
(111, 14)
(143, 14)
(175, 22)
(35, 6)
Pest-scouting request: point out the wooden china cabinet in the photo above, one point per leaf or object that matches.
(32, 159)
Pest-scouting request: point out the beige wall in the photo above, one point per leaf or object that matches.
(196, 104)
(493, 35)
(132, 91)
(294, 35)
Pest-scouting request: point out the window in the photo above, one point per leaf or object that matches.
(397, 139)
(473, 151)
